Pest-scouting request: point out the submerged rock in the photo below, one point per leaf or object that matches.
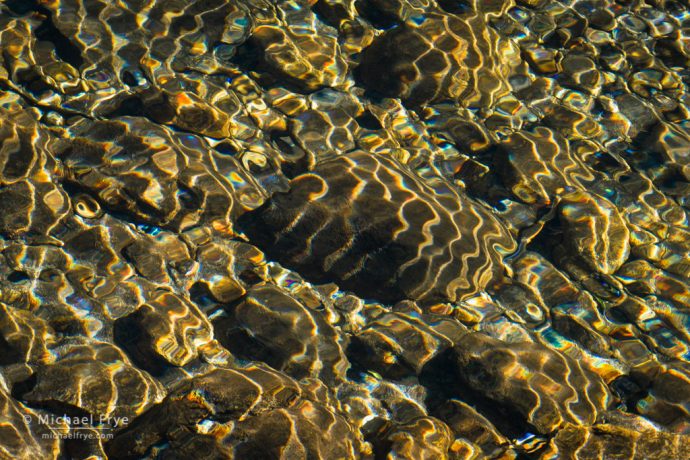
(436, 57)
(396, 345)
(274, 327)
(425, 438)
(477, 433)
(595, 231)
(133, 166)
(537, 165)
(22, 436)
(418, 63)
(301, 48)
(547, 388)
(95, 378)
(611, 441)
(31, 203)
(249, 412)
(166, 330)
(368, 224)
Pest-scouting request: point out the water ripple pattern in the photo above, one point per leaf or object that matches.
(344, 229)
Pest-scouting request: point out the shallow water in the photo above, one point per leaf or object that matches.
(409, 229)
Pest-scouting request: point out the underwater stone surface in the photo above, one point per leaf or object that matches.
(344, 229)
(369, 225)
